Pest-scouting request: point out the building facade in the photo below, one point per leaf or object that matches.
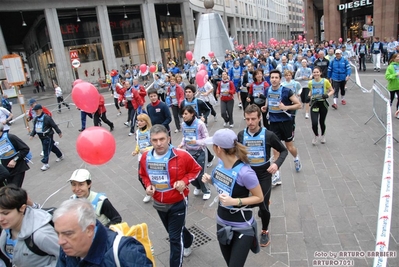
(296, 18)
(351, 19)
(66, 40)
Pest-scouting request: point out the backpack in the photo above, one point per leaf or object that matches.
(139, 232)
(29, 242)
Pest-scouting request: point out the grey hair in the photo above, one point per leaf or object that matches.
(158, 128)
(81, 207)
(1, 127)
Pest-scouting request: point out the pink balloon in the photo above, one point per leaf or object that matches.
(201, 78)
(95, 145)
(330, 42)
(189, 55)
(311, 40)
(77, 81)
(340, 39)
(300, 37)
(85, 97)
(211, 54)
(153, 68)
(143, 68)
(201, 67)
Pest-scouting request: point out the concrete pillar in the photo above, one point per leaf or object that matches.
(3, 45)
(385, 13)
(332, 20)
(64, 68)
(310, 18)
(188, 25)
(150, 29)
(106, 38)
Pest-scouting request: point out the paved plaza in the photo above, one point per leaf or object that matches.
(330, 206)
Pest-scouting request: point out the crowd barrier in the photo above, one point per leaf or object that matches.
(380, 102)
(386, 197)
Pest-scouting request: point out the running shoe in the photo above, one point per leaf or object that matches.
(187, 251)
(231, 126)
(334, 106)
(323, 139)
(206, 196)
(240, 105)
(45, 167)
(314, 140)
(197, 192)
(126, 124)
(146, 199)
(307, 116)
(276, 180)
(264, 239)
(60, 158)
(298, 165)
(120, 113)
(343, 102)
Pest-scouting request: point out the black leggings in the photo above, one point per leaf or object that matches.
(392, 93)
(236, 253)
(116, 102)
(176, 116)
(338, 85)
(319, 116)
(264, 212)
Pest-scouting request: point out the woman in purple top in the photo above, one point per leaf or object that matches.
(238, 188)
(194, 135)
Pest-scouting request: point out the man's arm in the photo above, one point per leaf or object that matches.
(168, 116)
(191, 167)
(273, 141)
(20, 146)
(53, 125)
(132, 253)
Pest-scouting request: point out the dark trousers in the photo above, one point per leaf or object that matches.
(16, 179)
(226, 111)
(48, 146)
(392, 96)
(176, 116)
(264, 212)
(83, 118)
(339, 86)
(244, 102)
(213, 112)
(174, 221)
(161, 97)
(60, 100)
(215, 87)
(131, 117)
(116, 103)
(362, 62)
(319, 116)
(199, 156)
(236, 253)
(96, 119)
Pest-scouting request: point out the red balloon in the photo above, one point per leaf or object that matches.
(189, 55)
(77, 81)
(85, 97)
(340, 39)
(95, 145)
(311, 40)
(153, 68)
(201, 78)
(143, 68)
(202, 67)
(300, 37)
(211, 54)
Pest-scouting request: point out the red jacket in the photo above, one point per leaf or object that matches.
(179, 94)
(141, 90)
(101, 105)
(45, 111)
(136, 98)
(181, 167)
(232, 91)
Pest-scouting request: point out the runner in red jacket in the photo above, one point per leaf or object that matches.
(167, 173)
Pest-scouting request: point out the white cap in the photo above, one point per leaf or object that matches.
(338, 51)
(80, 175)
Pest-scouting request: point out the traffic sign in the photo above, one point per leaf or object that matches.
(370, 31)
(76, 63)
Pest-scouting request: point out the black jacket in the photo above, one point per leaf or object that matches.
(48, 126)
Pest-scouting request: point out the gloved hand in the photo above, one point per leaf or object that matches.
(325, 96)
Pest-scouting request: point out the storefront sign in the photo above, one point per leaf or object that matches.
(74, 56)
(354, 4)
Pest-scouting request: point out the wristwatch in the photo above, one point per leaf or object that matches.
(15, 159)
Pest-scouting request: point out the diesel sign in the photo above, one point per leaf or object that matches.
(355, 4)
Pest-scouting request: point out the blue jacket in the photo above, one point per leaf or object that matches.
(131, 252)
(339, 69)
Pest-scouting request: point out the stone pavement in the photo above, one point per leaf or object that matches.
(330, 206)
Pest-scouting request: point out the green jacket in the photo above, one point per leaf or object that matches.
(392, 77)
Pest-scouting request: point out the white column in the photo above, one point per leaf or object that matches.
(3, 45)
(64, 68)
(150, 32)
(106, 38)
